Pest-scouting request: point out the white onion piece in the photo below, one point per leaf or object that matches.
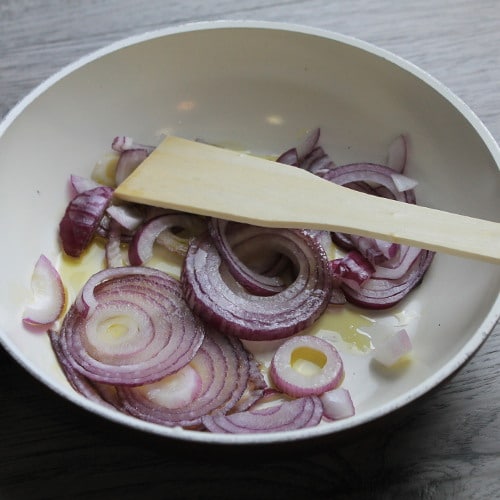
(129, 216)
(305, 366)
(48, 293)
(337, 404)
(403, 182)
(100, 393)
(397, 153)
(113, 251)
(286, 416)
(390, 348)
(81, 184)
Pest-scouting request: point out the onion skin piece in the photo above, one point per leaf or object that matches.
(81, 219)
(337, 404)
(288, 379)
(287, 416)
(223, 304)
(49, 295)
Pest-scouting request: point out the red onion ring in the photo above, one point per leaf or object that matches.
(221, 302)
(81, 219)
(287, 416)
(381, 293)
(49, 295)
(99, 393)
(223, 366)
(290, 380)
(253, 241)
(372, 173)
(138, 330)
(141, 246)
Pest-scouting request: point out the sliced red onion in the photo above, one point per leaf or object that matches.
(253, 241)
(337, 297)
(370, 173)
(309, 143)
(175, 391)
(337, 404)
(376, 251)
(287, 416)
(99, 393)
(138, 331)
(306, 153)
(397, 153)
(289, 157)
(48, 295)
(403, 183)
(352, 269)
(381, 293)
(220, 301)
(255, 389)
(398, 266)
(398, 269)
(81, 219)
(221, 366)
(390, 348)
(129, 160)
(80, 184)
(123, 143)
(317, 161)
(129, 215)
(173, 228)
(113, 252)
(290, 367)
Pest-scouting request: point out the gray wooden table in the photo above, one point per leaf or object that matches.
(446, 445)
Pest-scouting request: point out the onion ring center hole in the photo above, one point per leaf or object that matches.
(264, 259)
(307, 360)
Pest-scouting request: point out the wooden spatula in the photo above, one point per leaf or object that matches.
(208, 180)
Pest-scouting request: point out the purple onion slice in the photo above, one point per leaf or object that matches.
(213, 294)
(222, 366)
(138, 330)
(81, 219)
(287, 416)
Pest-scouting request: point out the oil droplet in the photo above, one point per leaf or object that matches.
(344, 324)
(75, 272)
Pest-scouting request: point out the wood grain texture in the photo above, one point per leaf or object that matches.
(446, 445)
